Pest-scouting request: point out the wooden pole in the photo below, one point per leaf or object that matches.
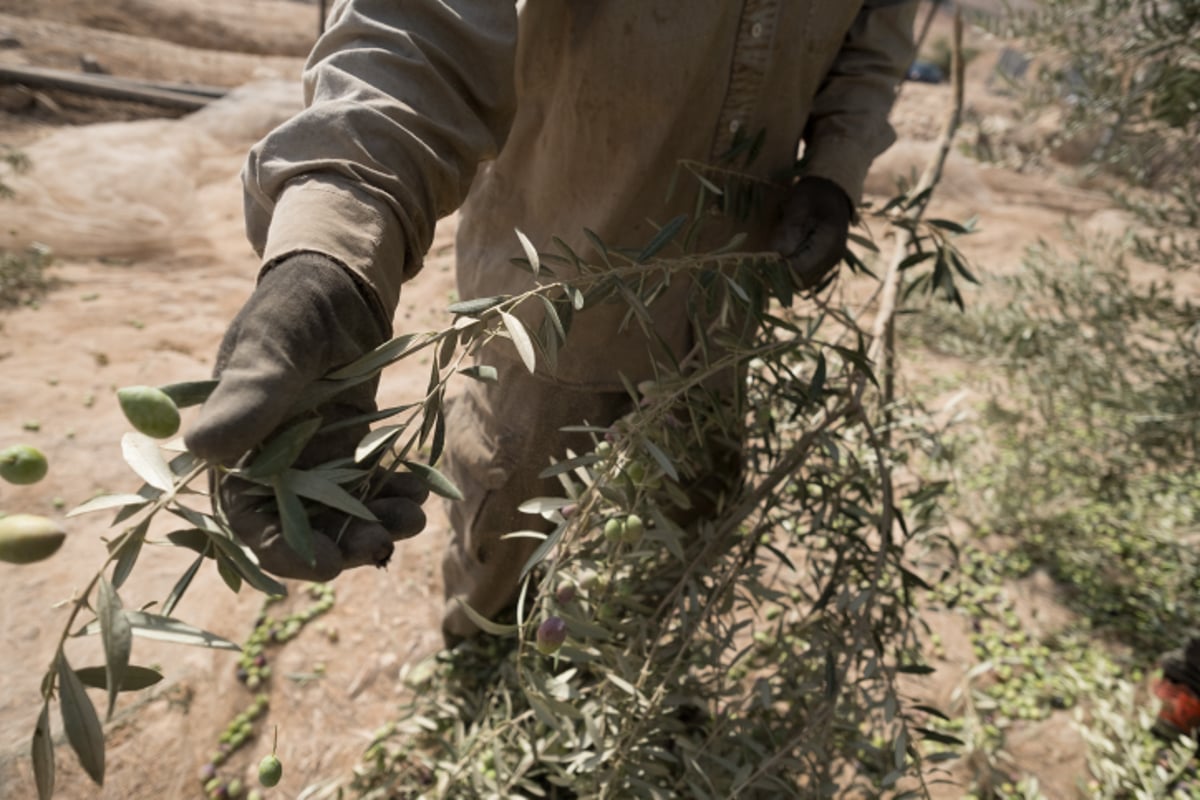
(167, 95)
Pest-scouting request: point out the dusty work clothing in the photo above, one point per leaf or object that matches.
(551, 116)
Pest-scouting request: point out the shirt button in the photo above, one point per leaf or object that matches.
(756, 30)
(734, 125)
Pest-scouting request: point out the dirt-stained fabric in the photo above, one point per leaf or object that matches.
(499, 437)
(556, 115)
(552, 117)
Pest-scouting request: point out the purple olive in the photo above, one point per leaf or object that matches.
(550, 635)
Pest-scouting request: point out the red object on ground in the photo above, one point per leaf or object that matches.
(1180, 706)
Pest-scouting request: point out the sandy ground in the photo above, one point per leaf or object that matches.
(143, 213)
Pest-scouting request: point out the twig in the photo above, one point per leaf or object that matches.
(883, 346)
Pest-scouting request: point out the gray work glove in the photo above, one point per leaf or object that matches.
(812, 231)
(307, 317)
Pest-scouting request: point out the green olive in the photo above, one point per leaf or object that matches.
(22, 464)
(149, 410)
(270, 770)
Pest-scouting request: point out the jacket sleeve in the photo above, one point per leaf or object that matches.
(403, 100)
(848, 126)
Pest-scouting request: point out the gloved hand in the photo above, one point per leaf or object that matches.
(307, 317)
(812, 231)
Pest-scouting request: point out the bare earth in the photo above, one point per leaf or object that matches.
(144, 216)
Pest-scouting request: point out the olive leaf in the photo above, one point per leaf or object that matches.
(485, 624)
(282, 450)
(531, 253)
(436, 481)
(386, 353)
(481, 372)
(246, 564)
(144, 458)
(376, 439)
(165, 629)
(117, 636)
(661, 459)
(191, 538)
(42, 753)
(134, 679)
(80, 721)
(520, 339)
(664, 235)
(107, 501)
(228, 573)
(297, 531)
(314, 487)
(181, 586)
(129, 548)
(477, 306)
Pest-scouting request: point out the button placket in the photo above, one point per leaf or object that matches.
(751, 57)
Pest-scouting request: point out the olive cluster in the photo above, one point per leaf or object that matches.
(253, 670)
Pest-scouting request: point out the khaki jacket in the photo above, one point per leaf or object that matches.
(552, 116)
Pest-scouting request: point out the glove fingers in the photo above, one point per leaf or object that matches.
(404, 485)
(247, 402)
(399, 516)
(244, 504)
(363, 542)
(817, 256)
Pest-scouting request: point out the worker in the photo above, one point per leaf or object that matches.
(550, 117)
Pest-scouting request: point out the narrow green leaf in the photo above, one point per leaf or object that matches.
(863, 242)
(665, 234)
(193, 539)
(485, 624)
(915, 669)
(569, 464)
(477, 306)
(365, 419)
(306, 484)
(948, 225)
(107, 501)
(189, 393)
(543, 505)
(661, 459)
(915, 258)
(117, 636)
(597, 243)
(437, 482)
(531, 253)
(552, 315)
(165, 629)
(817, 385)
(386, 353)
(941, 738)
(130, 549)
(42, 752)
(541, 709)
(247, 566)
(282, 450)
(544, 548)
(143, 457)
(481, 372)
(228, 573)
(521, 340)
(438, 443)
(135, 678)
(374, 440)
(297, 531)
(80, 722)
(181, 586)
(447, 348)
